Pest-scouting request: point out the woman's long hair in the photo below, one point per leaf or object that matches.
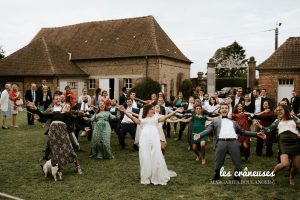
(287, 113)
(146, 110)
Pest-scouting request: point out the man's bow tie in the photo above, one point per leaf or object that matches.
(224, 117)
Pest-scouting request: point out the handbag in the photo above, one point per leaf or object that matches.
(19, 102)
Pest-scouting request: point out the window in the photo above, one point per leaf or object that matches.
(128, 83)
(72, 85)
(92, 83)
(286, 81)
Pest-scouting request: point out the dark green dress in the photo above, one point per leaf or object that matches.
(198, 126)
(101, 148)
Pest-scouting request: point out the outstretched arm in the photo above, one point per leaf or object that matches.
(163, 118)
(134, 119)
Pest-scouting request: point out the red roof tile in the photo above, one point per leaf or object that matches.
(114, 39)
(286, 56)
(39, 58)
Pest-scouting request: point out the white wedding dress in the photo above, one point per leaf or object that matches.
(152, 162)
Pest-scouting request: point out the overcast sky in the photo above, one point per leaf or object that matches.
(197, 27)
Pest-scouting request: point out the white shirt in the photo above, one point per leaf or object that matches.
(227, 131)
(57, 108)
(190, 106)
(4, 101)
(257, 105)
(126, 119)
(237, 99)
(134, 104)
(288, 125)
(89, 99)
(85, 107)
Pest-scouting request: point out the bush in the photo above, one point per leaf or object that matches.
(186, 88)
(146, 87)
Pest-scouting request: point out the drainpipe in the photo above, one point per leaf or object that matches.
(147, 65)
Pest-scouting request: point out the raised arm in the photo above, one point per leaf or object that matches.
(134, 119)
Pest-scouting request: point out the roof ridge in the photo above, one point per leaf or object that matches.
(153, 33)
(108, 20)
(48, 55)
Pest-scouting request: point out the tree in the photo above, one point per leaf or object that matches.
(231, 61)
(146, 87)
(2, 52)
(186, 88)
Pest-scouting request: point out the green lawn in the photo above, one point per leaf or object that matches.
(21, 175)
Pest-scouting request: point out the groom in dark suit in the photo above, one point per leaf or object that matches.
(225, 140)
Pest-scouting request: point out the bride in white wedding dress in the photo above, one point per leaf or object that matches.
(152, 162)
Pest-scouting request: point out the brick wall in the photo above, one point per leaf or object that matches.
(162, 70)
(268, 79)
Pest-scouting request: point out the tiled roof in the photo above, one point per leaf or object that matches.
(131, 37)
(286, 56)
(39, 58)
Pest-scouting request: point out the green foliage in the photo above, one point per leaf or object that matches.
(231, 82)
(146, 87)
(2, 53)
(186, 87)
(231, 57)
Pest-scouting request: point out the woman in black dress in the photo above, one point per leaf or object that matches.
(289, 140)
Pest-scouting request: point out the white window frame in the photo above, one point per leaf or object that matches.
(128, 83)
(92, 83)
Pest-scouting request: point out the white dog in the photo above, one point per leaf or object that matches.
(47, 167)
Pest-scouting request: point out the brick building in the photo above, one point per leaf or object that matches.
(106, 54)
(280, 73)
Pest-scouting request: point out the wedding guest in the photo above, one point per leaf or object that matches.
(238, 98)
(244, 122)
(289, 141)
(177, 103)
(123, 96)
(198, 125)
(96, 98)
(84, 93)
(5, 105)
(44, 99)
(101, 146)
(225, 140)
(41, 88)
(105, 99)
(295, 103)
(31, 96)
(266, 113)
(14, 96)
(69, 96)
(127, 125)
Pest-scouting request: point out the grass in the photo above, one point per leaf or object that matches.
(21, 175)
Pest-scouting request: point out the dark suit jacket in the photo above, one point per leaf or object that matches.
(296, 104)
(215, 127)
(122, 99)
(134, 110)
(253, 103)
(233, 101)
(29, 97)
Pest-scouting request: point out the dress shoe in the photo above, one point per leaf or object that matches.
(5, 127)
(216, 177)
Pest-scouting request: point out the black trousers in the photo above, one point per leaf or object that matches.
(30, 117)
(182, 127)
(124, 129)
